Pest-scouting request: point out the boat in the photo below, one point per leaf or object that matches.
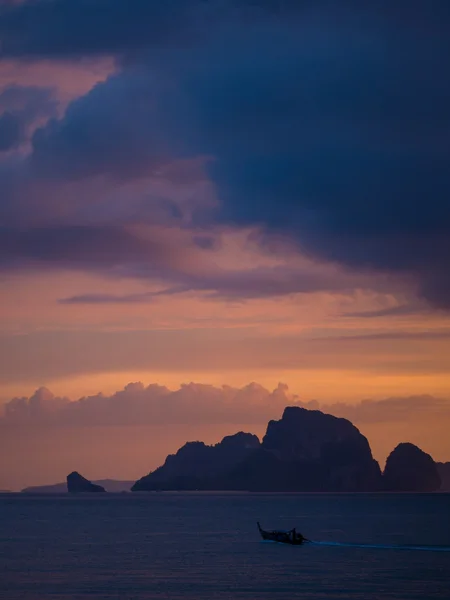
(290, 536)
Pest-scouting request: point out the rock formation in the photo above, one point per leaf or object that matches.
(410, 469)
(444, 474)
(304, 451)
(310, 451)
(198, 466)
(76, 484)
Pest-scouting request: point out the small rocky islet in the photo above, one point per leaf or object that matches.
(77, 484)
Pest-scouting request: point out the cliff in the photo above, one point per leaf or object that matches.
(410, 469)
(76, 484)
(303, 451)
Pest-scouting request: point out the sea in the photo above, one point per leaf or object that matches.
(196, 546)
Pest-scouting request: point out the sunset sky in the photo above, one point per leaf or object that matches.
(247, 199)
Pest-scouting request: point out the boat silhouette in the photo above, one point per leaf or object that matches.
(290, 536)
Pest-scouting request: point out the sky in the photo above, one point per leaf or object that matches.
(211, 209)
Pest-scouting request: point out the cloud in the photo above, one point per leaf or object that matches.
(137, 404)
(400, 310)
(394, 336)
(406, 409)
(329, 126)
(201, 404)
(177, 260)
(124, 298)
(338, 137)
(9, 131)
(74, 28)
(21, 108)
(243, 284)
(61, 28)
(40, 405)
(117, 129)
(85, 247)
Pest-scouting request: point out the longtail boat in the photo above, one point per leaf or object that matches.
(290, 536)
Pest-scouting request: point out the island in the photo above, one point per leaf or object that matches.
(410, 469)
(77, 484)
(304, 451)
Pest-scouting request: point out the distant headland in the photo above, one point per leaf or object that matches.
(304, 451)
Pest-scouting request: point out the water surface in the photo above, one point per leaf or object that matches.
(206, 546)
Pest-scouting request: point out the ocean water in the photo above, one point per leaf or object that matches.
(206, 546)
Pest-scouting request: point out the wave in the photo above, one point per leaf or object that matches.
(425, 548)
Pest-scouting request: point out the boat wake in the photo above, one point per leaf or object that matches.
(383, 546)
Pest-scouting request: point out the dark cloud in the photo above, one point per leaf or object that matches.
(72, 28)
(58, 28)
(10, 133)
(394, 336)
(328, 124)
(21, 108)
(207, 242)
(83, 247)
(117, 129)
(125, 298)
(339, 137)
(401, 310)
(68, 28)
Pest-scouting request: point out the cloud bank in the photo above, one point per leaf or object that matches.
(139, 405)
(201, 404)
